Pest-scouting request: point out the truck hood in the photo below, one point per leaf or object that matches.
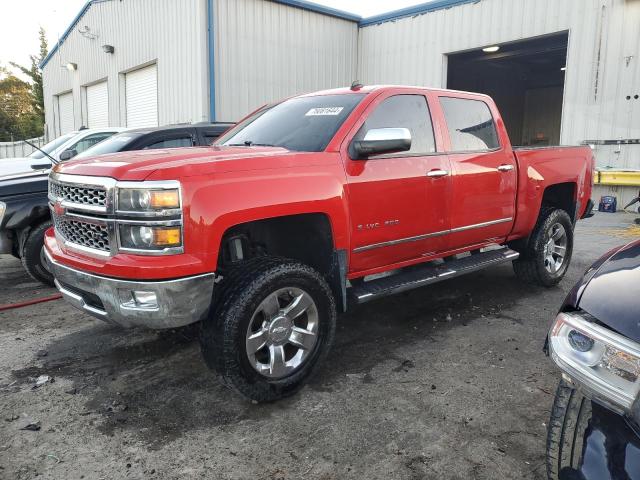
(24, 183)
(611, 291)
(16, 166)
(185, 162)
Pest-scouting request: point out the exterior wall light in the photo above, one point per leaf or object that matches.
(71, 66)
(491, 49)
(108, 48)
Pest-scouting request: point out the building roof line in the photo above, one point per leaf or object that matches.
(315, 7)
(413, 11)
(66, 33)
(305, 5)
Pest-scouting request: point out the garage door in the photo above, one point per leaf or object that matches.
(65, 113)
(97, 105)
(142, 97)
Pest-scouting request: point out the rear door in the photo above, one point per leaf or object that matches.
(398, 212)
(484, 172)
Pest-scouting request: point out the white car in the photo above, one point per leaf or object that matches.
(62, 148)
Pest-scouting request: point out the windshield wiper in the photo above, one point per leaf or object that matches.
(53, 160)
(249, 143)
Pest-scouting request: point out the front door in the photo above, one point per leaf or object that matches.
(398, 212)
(484, 174)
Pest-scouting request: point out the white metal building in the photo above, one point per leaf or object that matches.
(565, 71)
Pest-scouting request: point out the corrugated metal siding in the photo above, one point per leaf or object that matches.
(65, 113)
(98, 105)
(266, 51)
(141, 96)
(171, 33)
(603, 64)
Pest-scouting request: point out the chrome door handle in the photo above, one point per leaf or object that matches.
(505, 168)
(437, 173)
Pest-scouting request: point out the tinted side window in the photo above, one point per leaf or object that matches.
(404, 111)
(470, 124)
(90, 141)
(210, 137)
(172, 143)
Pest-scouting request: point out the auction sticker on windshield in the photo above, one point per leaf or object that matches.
(324, 111)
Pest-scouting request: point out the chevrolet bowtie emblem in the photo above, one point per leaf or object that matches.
(58, 208)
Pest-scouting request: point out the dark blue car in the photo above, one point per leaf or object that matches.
(594, 431)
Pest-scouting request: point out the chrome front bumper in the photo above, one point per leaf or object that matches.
(179, 302)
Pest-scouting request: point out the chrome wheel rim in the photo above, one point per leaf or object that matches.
(282, 332)
(555, 250)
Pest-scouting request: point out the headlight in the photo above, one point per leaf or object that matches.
(148, 200)
(150, 237)
(150, 217)
(3, 208)
(604, 362)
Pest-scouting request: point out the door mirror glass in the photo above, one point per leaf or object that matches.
(68, 154)
(382, 140)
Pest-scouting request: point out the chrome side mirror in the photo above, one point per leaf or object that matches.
(382, 140)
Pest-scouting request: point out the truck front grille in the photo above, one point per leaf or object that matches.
(78, 194)
(86, 234)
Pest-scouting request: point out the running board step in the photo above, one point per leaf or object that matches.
(415, 277)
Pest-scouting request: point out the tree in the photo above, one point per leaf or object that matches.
(19, 117)
(35, 74)
(22, 103)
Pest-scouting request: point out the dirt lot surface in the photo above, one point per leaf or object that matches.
(444, 382)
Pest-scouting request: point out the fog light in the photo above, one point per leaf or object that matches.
(579, 341)
(145, 299)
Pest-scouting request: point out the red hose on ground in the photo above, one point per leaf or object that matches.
(10, 306)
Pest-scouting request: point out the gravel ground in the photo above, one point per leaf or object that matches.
(446, 382)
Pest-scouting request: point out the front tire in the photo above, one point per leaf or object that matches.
(33, 259)
(569, 419)
(546, 257)
(273, 324)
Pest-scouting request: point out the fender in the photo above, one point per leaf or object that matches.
(25, 210)
(220, 202)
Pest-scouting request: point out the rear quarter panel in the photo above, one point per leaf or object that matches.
(539, 168)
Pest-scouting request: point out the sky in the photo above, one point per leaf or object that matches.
(23, 18)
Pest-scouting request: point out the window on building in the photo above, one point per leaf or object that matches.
(470, 125)
(185, 141)
(404, 111)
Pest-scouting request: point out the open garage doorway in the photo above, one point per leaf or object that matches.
(526, 80)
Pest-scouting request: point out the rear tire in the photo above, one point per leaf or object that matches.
(33, 259)
(569, 418)
(262, 306)
(546, 257)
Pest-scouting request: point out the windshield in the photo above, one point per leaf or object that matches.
(111, 145)
(303, 124)
(51, 146)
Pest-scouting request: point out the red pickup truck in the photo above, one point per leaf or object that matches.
(305, 207)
